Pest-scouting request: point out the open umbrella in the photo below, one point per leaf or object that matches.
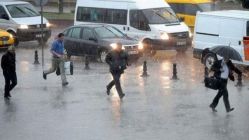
(227, 52)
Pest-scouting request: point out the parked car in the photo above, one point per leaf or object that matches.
(97, 39)
(23, 21)
(152, 22)
(6, 39)
(225, 28)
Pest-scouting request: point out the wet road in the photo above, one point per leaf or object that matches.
(155, 107)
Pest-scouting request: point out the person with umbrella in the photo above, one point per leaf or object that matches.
(223, 69)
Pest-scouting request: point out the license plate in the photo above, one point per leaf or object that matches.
(181, 42)
(132, 52)
(39, 35)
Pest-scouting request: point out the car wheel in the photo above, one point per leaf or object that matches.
(209, 60)
(102, 55)
(16, 41)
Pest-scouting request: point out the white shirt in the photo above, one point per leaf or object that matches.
(224, 70)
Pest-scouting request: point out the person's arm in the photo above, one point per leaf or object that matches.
(4, 63)
(108, 59)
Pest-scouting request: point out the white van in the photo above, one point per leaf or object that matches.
(23, 21)
(151, 21)
(221, 28)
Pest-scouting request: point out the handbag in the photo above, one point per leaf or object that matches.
(212, 83)
(68, 65)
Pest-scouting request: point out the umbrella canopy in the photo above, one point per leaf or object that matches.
(227, 52)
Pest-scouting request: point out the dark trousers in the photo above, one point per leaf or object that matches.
(10, 82)
(222, 92)
(116, 82)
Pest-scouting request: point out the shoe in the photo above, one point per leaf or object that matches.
(121, 96)
(6, 97)
(44, 76)
(213, 109)
(64, 84)
(107, 91)
(229, 110)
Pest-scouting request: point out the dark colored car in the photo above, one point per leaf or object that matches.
(96, 40)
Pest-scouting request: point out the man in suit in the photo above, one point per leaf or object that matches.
(223, 69)
(117, 59)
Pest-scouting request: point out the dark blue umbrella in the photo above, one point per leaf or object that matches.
(226, 52)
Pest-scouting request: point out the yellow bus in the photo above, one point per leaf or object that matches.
(187, 9)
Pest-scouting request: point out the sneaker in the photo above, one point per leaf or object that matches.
(213, 109)
(231, 109)
(121, 96)
(64, 84)
(44, 76)
(107, 91)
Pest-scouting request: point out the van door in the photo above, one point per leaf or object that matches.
(4, 18)
(138, 26)
(231, 34)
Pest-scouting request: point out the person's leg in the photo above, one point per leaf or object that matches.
(62, 70)
(216, 99)
(53, 67)
(13, 79)
(7, 85)
(116, 78)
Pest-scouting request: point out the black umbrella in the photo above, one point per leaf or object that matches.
(226, 52)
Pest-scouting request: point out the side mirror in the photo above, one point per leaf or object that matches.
(5, 16)
(93, 39)
(181, 19)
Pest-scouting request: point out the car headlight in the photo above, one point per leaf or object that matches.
(11, 36)
(140, 46)
(164, 36)
(48, 24)
(24, 27)
(114, 46)
(123, 48)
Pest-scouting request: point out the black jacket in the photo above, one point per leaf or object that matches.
(8, 62)
(117, 61)
(217, 66)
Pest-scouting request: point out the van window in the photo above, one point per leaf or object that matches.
(2, 12)
(247, 29)
(101, 15)
(76, 33)
(160, 16)
(22, 10)
(87, 33)
(138, 20)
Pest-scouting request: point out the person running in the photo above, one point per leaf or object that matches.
(8, 64)
(117, 60)
(57, 51)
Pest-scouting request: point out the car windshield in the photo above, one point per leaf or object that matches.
(160, 16)
(22, 10)
(206, 7)
(108, 32)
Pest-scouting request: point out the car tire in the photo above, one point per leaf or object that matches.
(102, 55)
(209, 60)
(16, 41)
